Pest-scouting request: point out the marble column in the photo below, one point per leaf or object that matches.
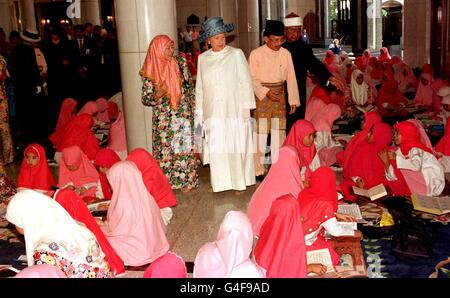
(248, 31)
(374, 25)
(5, 16)
(28, 15)
(90, 12)
(138, 21)
(228, 10)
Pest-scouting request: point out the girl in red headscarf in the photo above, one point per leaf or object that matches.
(66, 114)
(76, 172)
(282, 255)
(384, 55)
(374, 71)
(318, 207)
(78, 133)
(422, 171)
(391, 101)
(117, 140)
(78, 211)
(369, 166)
(34, 172)
(155, 181)
(104, 160)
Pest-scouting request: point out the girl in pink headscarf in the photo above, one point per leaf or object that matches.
(366, 56)
(326, 146)
(405, 77)
(168, 89)
(117, 139)
(331, 61)
(102, 106)
(319, 98)
(134, 227)
(425, 93)
(229, 255)
(422, 171)
(282, 255)
(66, 114)
(302, 137)
(283, 178)
(76, 172)
(169, 265)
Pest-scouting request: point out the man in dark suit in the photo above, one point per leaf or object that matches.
(304, 61)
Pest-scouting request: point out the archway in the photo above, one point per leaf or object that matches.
(392, 13)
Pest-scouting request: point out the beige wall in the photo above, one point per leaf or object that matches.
(417, 32)
(301, 7)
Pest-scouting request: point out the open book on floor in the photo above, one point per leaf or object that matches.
(99, 205)
(320, 256)
(434, 205)
(353, 210)
(373, 193)
(365, 109)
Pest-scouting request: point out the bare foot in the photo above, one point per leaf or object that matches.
(210, 189)
(239, 192)
(187, 189)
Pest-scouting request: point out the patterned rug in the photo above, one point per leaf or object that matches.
(381, 263)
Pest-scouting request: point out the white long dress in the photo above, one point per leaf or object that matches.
(224, 98)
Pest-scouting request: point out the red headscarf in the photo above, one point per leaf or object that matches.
(86, 172)
(77, 209)
(319, 202)
(113, 110)
(78, 133)
(38, 177)
(160, 69)
(365, 162)
(169, 265)
(299, 131)
(443, 146)
(389, 93)
(89, 108)
(106, 158)
(427, 68)
(360, 63)
(410, 137)
(375, 69)
(322, 93)
(102, 105)
(154, 179)
(366, 56)
(66, 114)
(281, 254)
(331, 62)
(384, 55)
(370, 119)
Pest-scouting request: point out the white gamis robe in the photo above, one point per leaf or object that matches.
(224, 98)
(428, 165)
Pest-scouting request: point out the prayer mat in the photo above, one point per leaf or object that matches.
(381, 263)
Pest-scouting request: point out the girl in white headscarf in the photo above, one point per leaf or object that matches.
(52, 237)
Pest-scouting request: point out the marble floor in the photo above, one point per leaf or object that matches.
(197, 217)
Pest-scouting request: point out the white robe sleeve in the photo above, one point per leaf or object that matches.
(199, 94)
(245, 83)
(332, 227)
(413, 163)
(315, 163)
(390, 174)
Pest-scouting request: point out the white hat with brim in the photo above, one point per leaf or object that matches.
(30, 35)
(213, 27)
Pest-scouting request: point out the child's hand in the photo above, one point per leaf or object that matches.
(360, 183)
(318, 269)
(345, 217)
(392, 155)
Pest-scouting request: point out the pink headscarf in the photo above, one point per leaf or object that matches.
(313, 107)
(89, 108)
(169, 265)
(229, 255)
(277, 250)
(86, 172)
(424, 95)
(366, 58)
(118, 135)
(135, 226)
(41, 271)
(405, 77)
(102, 105)
(66, 114)
(324, 120)
(160, 69)
(331, 61)
(299, 131)
(283, 178)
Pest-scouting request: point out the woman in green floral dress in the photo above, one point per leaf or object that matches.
(168, 89)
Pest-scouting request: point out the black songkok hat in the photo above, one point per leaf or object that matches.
(274, 28)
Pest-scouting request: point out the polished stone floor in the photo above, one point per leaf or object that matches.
(197, 217)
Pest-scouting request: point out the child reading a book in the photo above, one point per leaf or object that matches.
(77, 173)
(360, 95)
(368, 166)
(422, 171)
(282, 255)
(34, 172)
(391, 101)
(318, 211)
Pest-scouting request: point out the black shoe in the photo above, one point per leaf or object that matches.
(260, 178)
